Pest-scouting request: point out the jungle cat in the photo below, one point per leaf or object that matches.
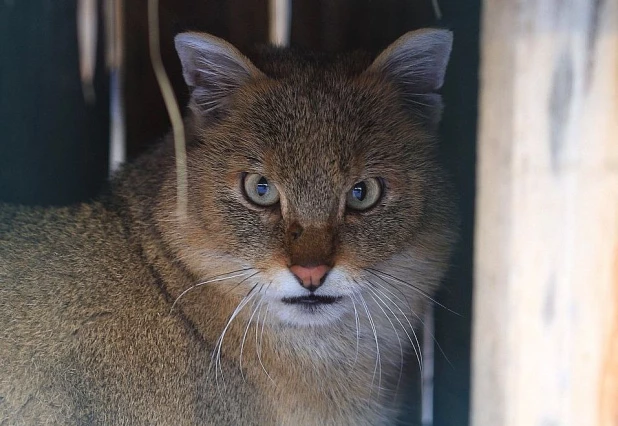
(317, 229)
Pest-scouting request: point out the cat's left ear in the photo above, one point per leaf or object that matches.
(416, 63)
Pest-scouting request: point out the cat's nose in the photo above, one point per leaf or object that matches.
(310, 277)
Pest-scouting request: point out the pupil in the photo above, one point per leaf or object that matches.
(360, 191)
(262, 187)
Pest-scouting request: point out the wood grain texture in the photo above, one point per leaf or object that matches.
(546, 297)
(609, 392)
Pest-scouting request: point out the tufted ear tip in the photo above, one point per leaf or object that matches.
(212, 67)
(418, 58)
(416, 62)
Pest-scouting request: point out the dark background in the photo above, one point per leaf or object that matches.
(54, 147)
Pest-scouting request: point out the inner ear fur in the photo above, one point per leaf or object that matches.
(213, 69)
(416, 63)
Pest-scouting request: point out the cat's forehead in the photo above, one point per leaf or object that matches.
(320, 118)
(318, 125)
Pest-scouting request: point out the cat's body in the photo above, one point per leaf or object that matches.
(97, 325)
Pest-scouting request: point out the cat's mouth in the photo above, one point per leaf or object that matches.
(311, 300)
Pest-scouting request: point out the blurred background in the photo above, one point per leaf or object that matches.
(56, 130)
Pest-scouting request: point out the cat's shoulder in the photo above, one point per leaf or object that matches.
(37, 241)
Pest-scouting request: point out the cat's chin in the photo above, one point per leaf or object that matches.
(300, 313)
(293, 305)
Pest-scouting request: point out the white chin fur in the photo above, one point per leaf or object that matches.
(285, 285)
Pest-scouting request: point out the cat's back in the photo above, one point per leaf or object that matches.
(48, 254)
(59, 270)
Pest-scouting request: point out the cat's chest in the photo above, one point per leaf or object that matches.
(323, 410)
(327, 399)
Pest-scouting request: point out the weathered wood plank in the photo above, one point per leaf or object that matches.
(546, 280)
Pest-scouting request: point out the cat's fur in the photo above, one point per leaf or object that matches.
(89, 331)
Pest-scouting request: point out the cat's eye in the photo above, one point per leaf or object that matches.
(259, 190)
(364, 194)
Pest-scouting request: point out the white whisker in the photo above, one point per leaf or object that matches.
(217, 352)
(258, 347)
(378, 365)
(216, 279)
(406, 301)
(418, 352)
(244, 337)
(417, 317)
(398, 341)
(357, 329)
(407, 320)
(410, 285)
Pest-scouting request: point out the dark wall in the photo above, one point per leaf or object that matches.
(53, 146)
(458, 129)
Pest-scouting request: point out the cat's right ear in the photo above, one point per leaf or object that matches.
(416, 63)
(213, 69)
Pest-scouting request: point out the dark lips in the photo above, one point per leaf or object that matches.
(312, 299)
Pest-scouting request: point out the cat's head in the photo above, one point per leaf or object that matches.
(316, 176)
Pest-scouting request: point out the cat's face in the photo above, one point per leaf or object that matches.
(311, 182)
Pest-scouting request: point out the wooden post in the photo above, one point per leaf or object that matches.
(546, 267)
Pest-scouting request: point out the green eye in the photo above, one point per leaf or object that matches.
(364, 194)
(259, 190)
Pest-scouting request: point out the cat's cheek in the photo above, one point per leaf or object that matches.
(255, 232)
(360, 247)
(268, 259)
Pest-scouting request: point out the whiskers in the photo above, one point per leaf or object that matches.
(258, 305)
(254, 298)
(258, 346)
(392, 313)
(258, 290)
(381, 276)
(356, 320)
(387, 307)
(378, 361)
(386, 277)
(246, 272)
(382, 312)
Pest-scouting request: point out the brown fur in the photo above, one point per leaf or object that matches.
(92, 328)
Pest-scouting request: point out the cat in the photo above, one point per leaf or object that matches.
(318, 227)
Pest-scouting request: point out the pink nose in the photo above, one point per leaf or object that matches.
(310, 277)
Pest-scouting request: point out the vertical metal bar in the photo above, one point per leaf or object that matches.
(428, 368)
(115, 61)
(173, 110)
(87, 30)
(117, 146)
(280, 12)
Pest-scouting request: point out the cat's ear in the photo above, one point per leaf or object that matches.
(416, 63)
(213, 69)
